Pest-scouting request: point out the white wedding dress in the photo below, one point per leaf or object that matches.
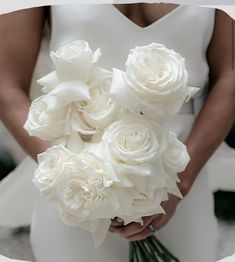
(191, 234)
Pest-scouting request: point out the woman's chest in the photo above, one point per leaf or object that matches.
(143, 14)
(185, 29)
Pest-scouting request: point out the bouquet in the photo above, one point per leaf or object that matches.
(111, 155)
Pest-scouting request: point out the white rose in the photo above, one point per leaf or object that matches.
(51, 164)
(86, 190)
(88, 107)
(74, 61)
(145, 203)
(92, 116)
(74, 64)
(83, 97)
(134, 140)
(175, 157)
(43, 124)
(66, 111)
(155, 82)
(134, 146)
(54, 126)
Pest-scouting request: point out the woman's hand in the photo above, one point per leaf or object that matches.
(136, 231)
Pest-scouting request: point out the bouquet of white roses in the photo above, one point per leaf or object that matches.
(111, 156)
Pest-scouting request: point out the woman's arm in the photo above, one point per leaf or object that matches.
(210, 128)
(20, 34)
(218, 113)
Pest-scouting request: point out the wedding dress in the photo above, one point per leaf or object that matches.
(191, 234)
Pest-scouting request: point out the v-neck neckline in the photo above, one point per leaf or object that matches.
(158, 21)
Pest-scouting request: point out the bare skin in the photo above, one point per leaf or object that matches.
(21, 33)
(145, 14)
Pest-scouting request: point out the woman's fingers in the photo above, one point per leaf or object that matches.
(146, 232)
(130, 229)
(135, 228)
(117, 222)
(161, 222)
(141, 235)
(136, 231)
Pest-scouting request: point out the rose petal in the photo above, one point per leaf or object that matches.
(66, 93)
(120, 92)
(101, 232)
(191, 92)
(49, 82)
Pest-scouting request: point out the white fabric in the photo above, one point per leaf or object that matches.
(6, 259)
(228, 259)
(18, 195)
(221, 168)
(105, 27)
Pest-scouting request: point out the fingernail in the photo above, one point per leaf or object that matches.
(120, 220)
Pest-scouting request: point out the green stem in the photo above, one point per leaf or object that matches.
(139, 255)
(165, 249)
(151, 250)
(131, 252)
(153, 246)
(146, 251)
(161, 254)
(135, 259)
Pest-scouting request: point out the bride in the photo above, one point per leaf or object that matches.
(203, 36)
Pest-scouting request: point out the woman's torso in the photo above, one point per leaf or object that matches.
(186, 29)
